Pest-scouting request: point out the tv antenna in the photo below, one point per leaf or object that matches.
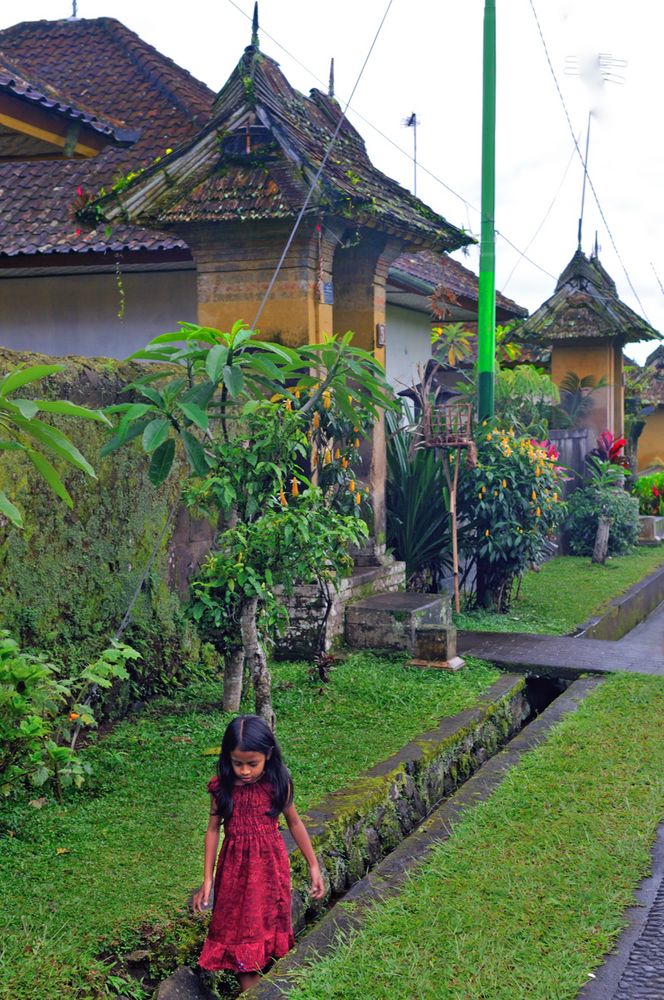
(412, 121)
(595, 71)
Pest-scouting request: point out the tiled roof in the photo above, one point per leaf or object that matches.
(12, 83)
(438, 271)
(585, 304)
(103, 69)
(655, 364)
(257, 159)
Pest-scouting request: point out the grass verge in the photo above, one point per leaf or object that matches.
(528, 894)
(80, 879)
(566, 591)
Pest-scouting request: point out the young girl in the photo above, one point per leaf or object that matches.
(251, 918)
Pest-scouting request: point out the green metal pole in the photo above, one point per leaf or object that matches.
(486, 360)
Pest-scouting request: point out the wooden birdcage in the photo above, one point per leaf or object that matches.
(448, 427)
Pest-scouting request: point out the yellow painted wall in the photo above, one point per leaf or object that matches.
(651, 442)
(601, 359)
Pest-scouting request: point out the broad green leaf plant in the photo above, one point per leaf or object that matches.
(270, 434)
(38, 711)
(22, 430)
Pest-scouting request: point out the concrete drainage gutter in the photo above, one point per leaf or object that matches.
(356, 827)
(388, 876)
(626, 611)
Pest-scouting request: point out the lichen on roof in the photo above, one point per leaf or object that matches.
(585, 304)
(260, 123)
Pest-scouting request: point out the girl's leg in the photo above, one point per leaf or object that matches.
(247, 980)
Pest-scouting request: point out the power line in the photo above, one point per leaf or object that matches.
(544, 218)
(576, 145)
(314, 183)
(469, 205)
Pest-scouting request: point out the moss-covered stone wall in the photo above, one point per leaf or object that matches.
(66, 578)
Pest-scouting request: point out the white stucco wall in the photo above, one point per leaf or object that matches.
(78, 314)
(407, 345)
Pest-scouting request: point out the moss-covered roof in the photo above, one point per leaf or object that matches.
(585, 304)
(257, 157)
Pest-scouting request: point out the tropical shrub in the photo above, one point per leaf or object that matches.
(510, 505)
(584, 510)
(524, 396)
(576, 401)
(649, 491)
(418, 520)
(608, 449)
(39, 710)
(225, 400)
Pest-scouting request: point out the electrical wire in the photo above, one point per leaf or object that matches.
(314, 183)
(544, 218)
(468, 204)
(576, 144)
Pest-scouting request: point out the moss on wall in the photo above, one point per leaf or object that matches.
(67, 578)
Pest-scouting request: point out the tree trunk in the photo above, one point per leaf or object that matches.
(601, 550)
(257, 662)
(233, 671)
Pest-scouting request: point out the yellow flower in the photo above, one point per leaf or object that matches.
(480, 496)
(344, 463)
(538, 513)
(337, 455)
(484, 489)
(351, 486)
(350, 399)
(534, 495)
(489, 436)
(504, 484)
(282, 498)
(555, 497)
(487, 532)
(495, 493)
(328, 457)
(316, 420)
(295, 489)
(484, 423)
(537, 472)
(288, 405)
(327, 399)
(357, 442)
(297, 393)
(358, 497)
(74, 715)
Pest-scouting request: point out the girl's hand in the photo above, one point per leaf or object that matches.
(317, 890)
(201, 899)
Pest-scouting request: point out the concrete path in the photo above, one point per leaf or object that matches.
(641, 650)
(635, 969)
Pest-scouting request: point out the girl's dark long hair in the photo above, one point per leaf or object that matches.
(251, 733)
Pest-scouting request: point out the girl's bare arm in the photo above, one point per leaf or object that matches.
(301, 837)
(202, 897)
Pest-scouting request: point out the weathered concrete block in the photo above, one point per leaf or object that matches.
(651, 529)
(391, 621)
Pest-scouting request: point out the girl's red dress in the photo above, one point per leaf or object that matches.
(251, 917)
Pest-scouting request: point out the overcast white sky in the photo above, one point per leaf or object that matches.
(428, 59)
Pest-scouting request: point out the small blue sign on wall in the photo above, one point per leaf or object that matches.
(328, 293)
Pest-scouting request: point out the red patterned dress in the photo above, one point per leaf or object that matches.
(251, 917)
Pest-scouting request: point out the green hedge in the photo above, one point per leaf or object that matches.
(67, 578)
(585, 508)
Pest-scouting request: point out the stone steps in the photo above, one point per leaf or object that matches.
(420, 624)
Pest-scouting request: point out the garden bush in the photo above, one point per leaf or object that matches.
(39, 710)
(584, 510)
(649, 491)
(510, 505)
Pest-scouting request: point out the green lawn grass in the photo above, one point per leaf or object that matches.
(128, 851)
(566, 591)
(528, 894)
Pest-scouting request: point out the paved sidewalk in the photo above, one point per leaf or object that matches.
(641, 651)
(635, 968)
